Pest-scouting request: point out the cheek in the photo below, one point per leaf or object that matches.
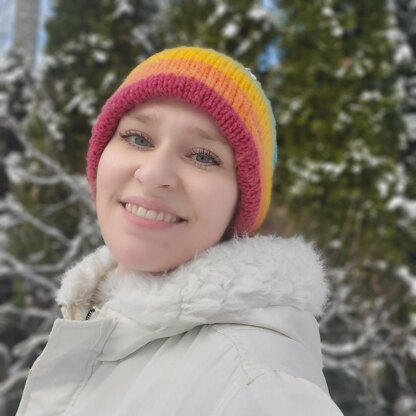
(217, 200)
(110, 172)
(110, 177)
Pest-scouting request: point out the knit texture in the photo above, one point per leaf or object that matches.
(225, 90)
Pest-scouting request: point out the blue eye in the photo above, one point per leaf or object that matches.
(136, 138)
(205, 158)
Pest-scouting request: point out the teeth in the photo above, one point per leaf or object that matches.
(150, 214)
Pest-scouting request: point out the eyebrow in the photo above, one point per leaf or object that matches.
(154, 118)
(143, 117)
(205, 135)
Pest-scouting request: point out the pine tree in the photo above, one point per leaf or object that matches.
(241, 29)
(16, 94)
(48, 215)
(16, 100)
(404, 16)
(88, 55)
(339, 123)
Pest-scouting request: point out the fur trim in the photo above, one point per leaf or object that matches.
(221, 284)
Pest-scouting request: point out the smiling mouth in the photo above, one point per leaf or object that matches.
(151, 214)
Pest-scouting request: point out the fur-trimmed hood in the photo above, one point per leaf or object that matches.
(250, 280)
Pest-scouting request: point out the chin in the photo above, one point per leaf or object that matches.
(140, 259)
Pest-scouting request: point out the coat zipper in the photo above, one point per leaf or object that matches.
(90, 312)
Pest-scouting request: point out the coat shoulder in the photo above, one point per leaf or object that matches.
(276, 392)
(278, 375)
(260, 350)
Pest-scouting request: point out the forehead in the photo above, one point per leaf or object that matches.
(179, 114)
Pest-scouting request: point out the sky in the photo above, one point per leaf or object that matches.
(6, 19)
(6, 24)
(45, 12)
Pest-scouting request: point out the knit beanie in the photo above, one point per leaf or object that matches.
(224, 89)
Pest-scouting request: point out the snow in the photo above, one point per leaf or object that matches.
(108, 79)
(84, 102)
(359, 152)
(370, 96)
(243, 47)
(407, 205)
(405, 404)
(230, 30)
(14, 170)
(383, 188)
(309, 172)
(394, 35)
(410, 120)
(219, 12)
(335, 244)
(141, 36)
(258, 12)
(343, 119)
(295, 104)
(327, 11)
(403, 54)
(100, 56)
(97, 40)
(404, 274)
(358, 70)
(4, 103)
(305, 173)
(123, 7)
(11, 74)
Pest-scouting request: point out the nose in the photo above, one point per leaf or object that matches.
(157, 169)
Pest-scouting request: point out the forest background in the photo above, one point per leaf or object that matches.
(341, 75)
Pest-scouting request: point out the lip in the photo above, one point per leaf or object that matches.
(153, 204)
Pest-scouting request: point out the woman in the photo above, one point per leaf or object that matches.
(185, 311)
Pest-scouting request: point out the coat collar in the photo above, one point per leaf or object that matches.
(233, 282)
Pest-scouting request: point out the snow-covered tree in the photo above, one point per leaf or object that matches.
(344, 175)
(404, 38)
(34, 253)
(87, 56)
(241, 29)
(339, 124)
(16, 79)
(47, 220)
(15, 99)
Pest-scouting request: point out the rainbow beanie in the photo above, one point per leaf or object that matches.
(229, 93)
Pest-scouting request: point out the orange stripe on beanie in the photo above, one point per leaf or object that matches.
(225, 90)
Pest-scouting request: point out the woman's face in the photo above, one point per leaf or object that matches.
(166, 186)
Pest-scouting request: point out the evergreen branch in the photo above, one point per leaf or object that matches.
(16, 267)
(29, 345)
(73, 182)
(68, 257)
(52, 208)
(44, 228)
(10, 383)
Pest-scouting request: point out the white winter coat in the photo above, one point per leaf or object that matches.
(230, 333)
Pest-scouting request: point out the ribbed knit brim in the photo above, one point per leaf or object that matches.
(225, 90)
